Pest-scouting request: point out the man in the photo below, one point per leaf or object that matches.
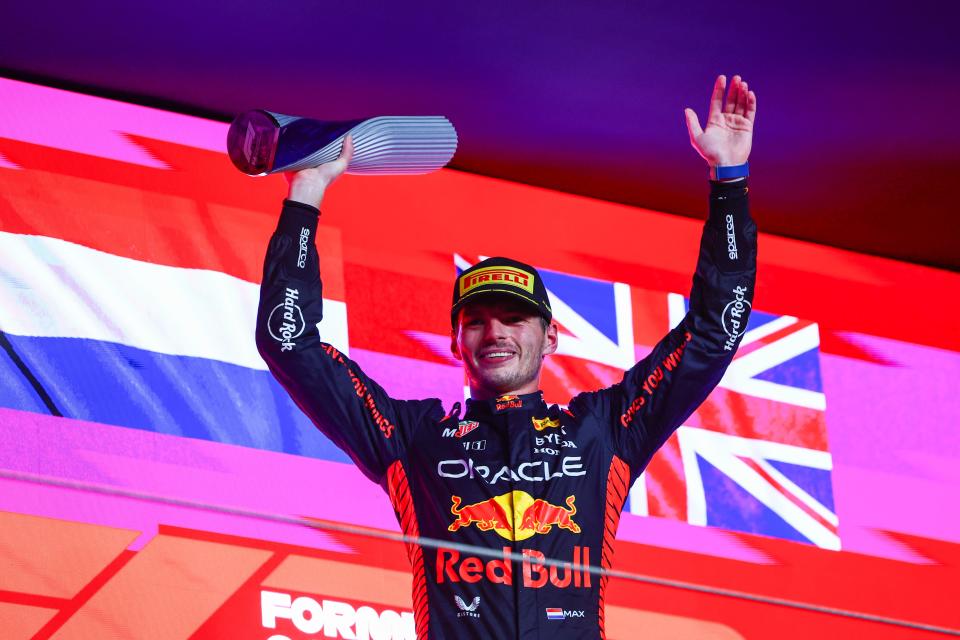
(531, 483)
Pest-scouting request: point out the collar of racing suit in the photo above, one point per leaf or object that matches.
(525, 402)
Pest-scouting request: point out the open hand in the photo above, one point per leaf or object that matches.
(729, 133)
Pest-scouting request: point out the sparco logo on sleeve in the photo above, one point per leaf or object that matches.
(735, 316)
(731, 239)
(285, 322)
(304, 239)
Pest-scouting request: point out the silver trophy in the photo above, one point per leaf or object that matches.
(262, 142)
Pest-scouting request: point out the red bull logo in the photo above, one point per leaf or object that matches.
(515, 515)
(541, 424)
(487, 515)
(541, 516)
(509, 402)
(451, 567)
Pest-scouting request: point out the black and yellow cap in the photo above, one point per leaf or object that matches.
(501, 276)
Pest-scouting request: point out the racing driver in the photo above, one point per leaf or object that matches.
(526, 495)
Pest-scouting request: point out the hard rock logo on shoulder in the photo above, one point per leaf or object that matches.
(285, 323)
(735, 316)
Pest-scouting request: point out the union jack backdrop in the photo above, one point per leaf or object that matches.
(754, 456)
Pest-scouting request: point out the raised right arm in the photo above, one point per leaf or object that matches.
(343, 402)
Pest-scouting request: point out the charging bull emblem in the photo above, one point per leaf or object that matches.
(515, 515)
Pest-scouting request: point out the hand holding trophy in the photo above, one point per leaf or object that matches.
(307, 186)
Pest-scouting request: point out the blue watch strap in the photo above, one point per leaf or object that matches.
(732, 171)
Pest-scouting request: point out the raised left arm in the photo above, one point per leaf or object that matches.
(662, 390)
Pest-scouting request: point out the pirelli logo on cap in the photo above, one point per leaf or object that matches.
(496, 275)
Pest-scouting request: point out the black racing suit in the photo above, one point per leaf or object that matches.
(511, 474)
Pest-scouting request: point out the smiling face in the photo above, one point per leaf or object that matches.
(502, 343)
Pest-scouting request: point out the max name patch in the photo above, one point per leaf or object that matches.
(496, 275)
